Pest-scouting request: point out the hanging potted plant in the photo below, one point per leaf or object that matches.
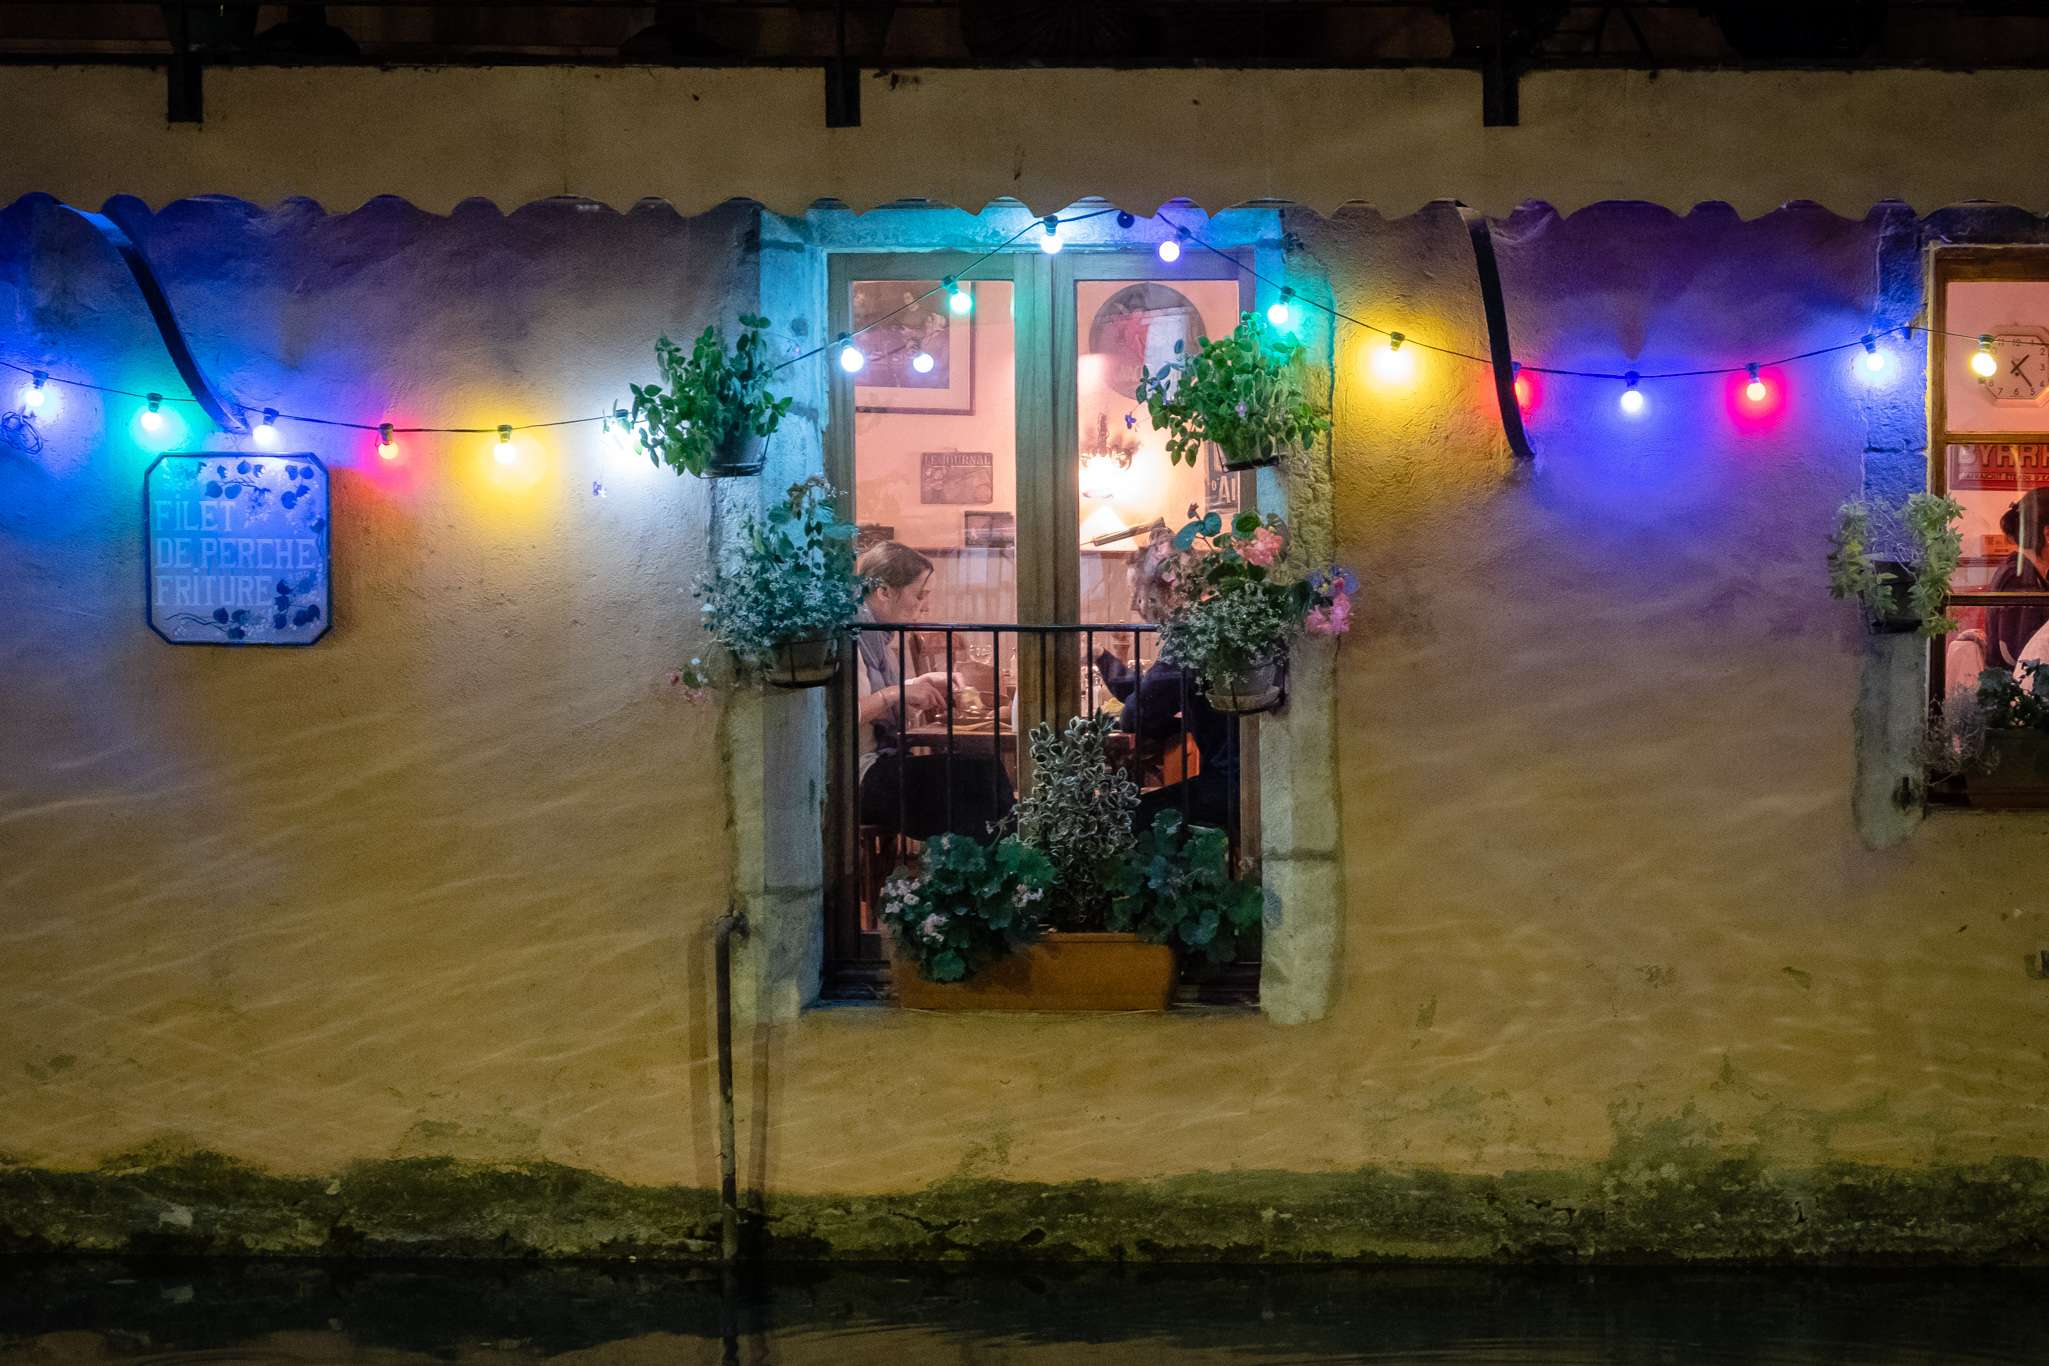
(1899, 595)
(782, 598)
(713, 412)
(1238, 605)
(1244, 392)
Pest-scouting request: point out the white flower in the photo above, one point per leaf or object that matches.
(932, 928)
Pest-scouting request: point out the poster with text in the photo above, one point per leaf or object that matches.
(238, 549)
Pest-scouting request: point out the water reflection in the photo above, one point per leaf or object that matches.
(317, 1312)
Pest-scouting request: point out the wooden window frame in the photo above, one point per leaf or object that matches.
(1048, 454)
(1948, 265)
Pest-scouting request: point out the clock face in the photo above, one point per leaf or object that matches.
(2022, 376)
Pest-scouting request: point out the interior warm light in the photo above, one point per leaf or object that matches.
(1391, 362)
(265, 433)
(1983, 363)
(152, 418)
(506, 452)
(1099, 477)
(387, 447)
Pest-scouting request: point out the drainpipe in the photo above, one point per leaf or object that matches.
(730, 924)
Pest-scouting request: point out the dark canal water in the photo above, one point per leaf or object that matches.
(385, 1314)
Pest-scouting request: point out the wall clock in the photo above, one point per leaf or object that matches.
(2022, 377)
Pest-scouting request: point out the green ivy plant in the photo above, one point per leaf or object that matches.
(966, 905)
(787, 576)
(1243, 392)
(1930, 522)
(1078, 814)
(709, 398)
(1181, 892)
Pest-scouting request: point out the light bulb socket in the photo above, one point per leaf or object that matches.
(1395, 340)
(505, 434)
(1870, 344)
(1051, 223)
(1629, 380)
(156, 402)
(38, 378)
(384, 434)
(1752, 370)
(270, 417)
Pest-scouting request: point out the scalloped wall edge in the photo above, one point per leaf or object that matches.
(696, 138)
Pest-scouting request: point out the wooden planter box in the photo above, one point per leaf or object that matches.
(1060, 972)
(2022, 778)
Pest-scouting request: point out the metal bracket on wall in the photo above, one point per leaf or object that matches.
(1496, 308)
(226, 415)
(842, 94)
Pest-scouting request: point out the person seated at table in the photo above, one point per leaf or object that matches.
(2008, 629)
(1154, 711)
(899, 791)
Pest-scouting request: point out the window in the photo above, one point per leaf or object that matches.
(1990, 452)
(1007, 488)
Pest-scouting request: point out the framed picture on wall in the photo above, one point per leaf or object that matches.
(902, 328)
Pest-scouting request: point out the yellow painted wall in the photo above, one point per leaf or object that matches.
(442, 884)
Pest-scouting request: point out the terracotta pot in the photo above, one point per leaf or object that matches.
(1256, 690)
(739, 455)
(805, 663)
(2021, 777)
(1899, 617)
(1084, 971)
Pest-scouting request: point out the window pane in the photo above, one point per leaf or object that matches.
(935, 432)
(1127, 485)
(2015, 396)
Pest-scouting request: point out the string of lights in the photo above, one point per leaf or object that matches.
(1392, 361)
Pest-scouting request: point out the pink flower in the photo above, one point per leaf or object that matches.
(1332, 619)
(1264, 547)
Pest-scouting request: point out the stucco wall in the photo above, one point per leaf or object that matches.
(437, 888)
(427, 886)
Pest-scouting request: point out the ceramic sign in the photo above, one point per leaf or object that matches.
(237, 548)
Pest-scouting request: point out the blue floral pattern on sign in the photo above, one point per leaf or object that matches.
(238, 549)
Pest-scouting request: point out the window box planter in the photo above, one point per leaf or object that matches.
(1238, 459)
(1062, 971)
(2020, 781)
(809, 663)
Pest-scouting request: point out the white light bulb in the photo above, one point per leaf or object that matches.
(387, 446)
(922, 362)
(851, 359)
(265, 433)
(1983, 363)
(1170, 251)
(1632, 397)
(1051, 243)
(34, 392)
(152, 418)
(1278, 313)
(960, 301)
(506, 452)
(1755, 391)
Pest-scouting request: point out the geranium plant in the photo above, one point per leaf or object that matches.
(788, 577)
(966, 905)
(1181, 892)
(1243, 392)
(1912, 592)
(1237, 602)
(711, 402)
(1078, 814)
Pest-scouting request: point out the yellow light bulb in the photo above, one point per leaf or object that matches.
(506, 452)
(1983, 363)
(1391, 362)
